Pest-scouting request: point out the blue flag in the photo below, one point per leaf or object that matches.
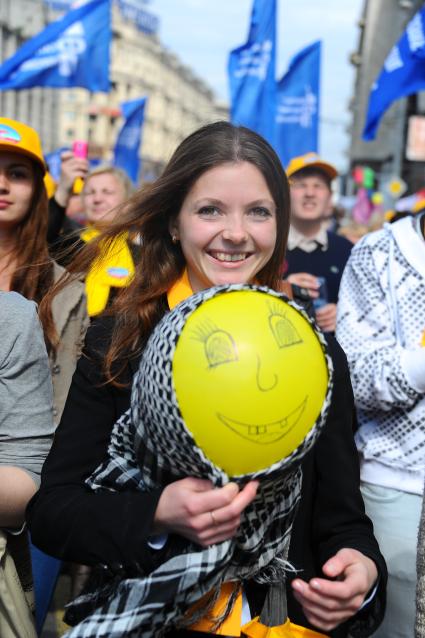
(297, 105)
(54, 162)
(251, 71)
(126, 152)
(73, 51)
(403, 74)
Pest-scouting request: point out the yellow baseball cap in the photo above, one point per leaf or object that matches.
(310, 160)
(20, 138)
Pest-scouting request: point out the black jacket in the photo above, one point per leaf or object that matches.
(69, 521)
(63, 234)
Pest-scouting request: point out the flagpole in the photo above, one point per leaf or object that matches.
(399, 139)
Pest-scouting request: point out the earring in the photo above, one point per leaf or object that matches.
(174, 239)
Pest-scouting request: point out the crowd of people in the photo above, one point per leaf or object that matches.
(167, 552)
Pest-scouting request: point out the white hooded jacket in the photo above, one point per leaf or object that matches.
(381, 323)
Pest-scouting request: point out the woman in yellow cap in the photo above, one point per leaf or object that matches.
(219, 214)
(25, 265)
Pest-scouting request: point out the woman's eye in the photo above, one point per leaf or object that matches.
(209, 211)
(19, 174)
(259, 211)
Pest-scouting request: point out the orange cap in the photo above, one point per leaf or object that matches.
(310, 160)
(20, 138)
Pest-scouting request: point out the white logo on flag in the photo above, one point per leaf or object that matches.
(255, 60)
(298, 109)
(130, 137)
(63, 53)
(393, 61)
(415, 33)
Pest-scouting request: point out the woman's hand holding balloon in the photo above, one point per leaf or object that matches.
(201, 513)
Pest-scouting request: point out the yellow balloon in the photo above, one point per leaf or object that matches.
(250, 377)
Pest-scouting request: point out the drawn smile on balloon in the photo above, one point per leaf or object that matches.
(265, 433)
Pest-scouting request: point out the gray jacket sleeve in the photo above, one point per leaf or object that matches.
(26, 424)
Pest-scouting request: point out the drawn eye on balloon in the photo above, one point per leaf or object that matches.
(219, 345)
(283, 330)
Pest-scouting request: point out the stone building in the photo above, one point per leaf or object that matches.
(178, 100)
(20, 20)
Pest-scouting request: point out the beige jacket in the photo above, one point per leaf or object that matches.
(71, 321)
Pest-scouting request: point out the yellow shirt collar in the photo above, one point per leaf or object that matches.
(179, 291)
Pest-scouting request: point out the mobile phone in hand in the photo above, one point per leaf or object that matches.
(322, 299)
(80, 148)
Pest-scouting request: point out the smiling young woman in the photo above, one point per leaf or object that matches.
(25, 265)
(219, 214)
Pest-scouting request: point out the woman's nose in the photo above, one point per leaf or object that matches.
(4, 183)
(266, 378)
(235, 231)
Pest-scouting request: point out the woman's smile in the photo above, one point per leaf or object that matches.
(229, 257)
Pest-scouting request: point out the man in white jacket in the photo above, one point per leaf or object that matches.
(381, 326)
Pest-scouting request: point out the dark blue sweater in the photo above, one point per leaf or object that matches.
(327, 263)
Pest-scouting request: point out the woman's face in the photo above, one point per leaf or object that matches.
(226, 226)
(16, 188)
(102, 194)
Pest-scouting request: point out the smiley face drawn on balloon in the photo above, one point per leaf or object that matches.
(250, 378)
(220, 348)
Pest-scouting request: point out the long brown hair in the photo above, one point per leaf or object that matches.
(33, 274)
(149, 212)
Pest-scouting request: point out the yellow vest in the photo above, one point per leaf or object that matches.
(113, 268)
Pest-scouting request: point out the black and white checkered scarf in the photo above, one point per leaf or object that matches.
(150, 447)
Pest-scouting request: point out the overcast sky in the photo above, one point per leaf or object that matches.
(202, 32)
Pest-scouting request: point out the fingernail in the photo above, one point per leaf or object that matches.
(315, 584)
(232, 487)
(296, 584)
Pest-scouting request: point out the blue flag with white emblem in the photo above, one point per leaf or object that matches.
(251, 71)
(126, 152)
(54, 162)
(73, 51)
(297, 105)
(403, 74)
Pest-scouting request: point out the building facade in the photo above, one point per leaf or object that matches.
(178, 101)
(20, 20)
